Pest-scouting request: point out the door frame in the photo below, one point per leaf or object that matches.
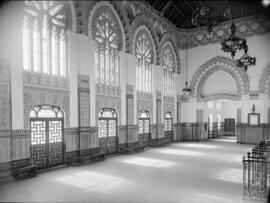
(107, 119)
(47, 141)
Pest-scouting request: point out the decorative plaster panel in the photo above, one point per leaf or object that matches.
(37, 95)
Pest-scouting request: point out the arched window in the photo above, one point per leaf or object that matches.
(168, 65)
(44, 38)
(144, 54)
(106, 35)
(168, 121)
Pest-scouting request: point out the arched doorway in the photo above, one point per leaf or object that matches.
(47, 144)
(144, 129)
(168, 123)
(107, 131)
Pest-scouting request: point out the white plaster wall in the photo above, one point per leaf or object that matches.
(258, 47)
(123, 82)
(11, 49)
(259, 106)
(157, 86)
(188, 112)
(73, 60)
(131, 80)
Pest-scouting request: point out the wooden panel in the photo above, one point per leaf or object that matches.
(144, 139)
(71, 139)
(38, 155)
(55, 155)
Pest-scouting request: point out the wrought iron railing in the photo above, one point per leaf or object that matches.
(256, 172)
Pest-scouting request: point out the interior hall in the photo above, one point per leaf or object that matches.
(135, 101)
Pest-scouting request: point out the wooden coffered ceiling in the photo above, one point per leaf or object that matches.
(180, 12)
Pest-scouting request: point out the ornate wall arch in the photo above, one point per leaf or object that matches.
(141, 22)
(213, 65)
(121, 20)
(264, 84)
(169, 38)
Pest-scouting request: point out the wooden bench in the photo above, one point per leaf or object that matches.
(161, 142)
(90, 157)
(86, 157)
(29, 170)
(131, 149)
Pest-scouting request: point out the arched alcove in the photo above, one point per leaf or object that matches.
(219, 83)
(225, 69)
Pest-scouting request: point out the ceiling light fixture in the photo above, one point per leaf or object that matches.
(186, 90)
(203, 16)
(233, 43)
(246, 60)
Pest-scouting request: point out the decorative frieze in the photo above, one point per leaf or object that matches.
(144, 96)
(107, 90)
(168, 100)
(44, 80)
(253, 25)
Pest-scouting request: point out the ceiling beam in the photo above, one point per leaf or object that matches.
(155, 3)
(190, 6)
(180, 11)
(202, 4)
(166, 6)
(171, 12)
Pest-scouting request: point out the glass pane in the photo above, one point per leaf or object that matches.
(102, 128)
(46, 113)
(62, 53)
(112, 128)
(54, 52)
(143, 51)
(26, 46)
(38, 132)
(36, 48)
(168, 66)
(146, 126)
(55, 131)
(45, 49)
(107, 39)
(140, 126)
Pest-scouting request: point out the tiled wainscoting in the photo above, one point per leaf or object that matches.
(250, 134)
(15, 145)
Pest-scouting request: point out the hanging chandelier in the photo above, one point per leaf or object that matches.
(246, 60)
(186, 90)
(203, 16)
(233, 43)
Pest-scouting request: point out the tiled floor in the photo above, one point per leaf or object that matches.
(202, 172)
